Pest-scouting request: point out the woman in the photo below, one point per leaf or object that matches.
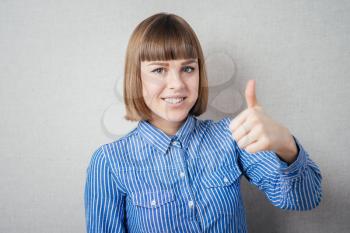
(175, 172)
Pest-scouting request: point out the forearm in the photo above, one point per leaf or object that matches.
(295, 186)
(299, 183)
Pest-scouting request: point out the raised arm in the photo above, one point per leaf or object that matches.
(293, 187)
(273, 159)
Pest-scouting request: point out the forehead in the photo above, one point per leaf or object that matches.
(169, 62)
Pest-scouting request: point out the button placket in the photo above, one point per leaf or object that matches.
(226, 180)
(176, 143)
(182, 174)
(191, 204)
(153, 202)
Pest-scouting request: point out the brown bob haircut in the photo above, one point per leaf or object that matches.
(160, 37)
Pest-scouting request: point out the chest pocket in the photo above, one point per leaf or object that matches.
(153, 199)
(222, 188)
(221, 177)
(154, 211)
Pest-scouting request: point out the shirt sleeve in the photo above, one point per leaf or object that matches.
(293, 187)
(104, 203)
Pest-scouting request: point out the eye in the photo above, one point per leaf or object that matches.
(158, 70)
(188, 69)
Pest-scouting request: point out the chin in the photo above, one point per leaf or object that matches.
(176, 117)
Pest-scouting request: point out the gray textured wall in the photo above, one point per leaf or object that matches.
(61, 67)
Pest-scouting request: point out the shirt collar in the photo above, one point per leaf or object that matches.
(161, 140)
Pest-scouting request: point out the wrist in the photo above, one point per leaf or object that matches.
(289, 152)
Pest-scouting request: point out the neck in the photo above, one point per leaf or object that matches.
(168, 127)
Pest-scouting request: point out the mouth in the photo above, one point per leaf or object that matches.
(174, 101)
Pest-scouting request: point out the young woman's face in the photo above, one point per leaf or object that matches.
(170, 88)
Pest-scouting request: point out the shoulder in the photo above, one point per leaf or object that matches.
(111, 151)
(214, 134)
(222, 124)
(218, 127)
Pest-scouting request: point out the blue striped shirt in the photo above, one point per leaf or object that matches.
(147, 181)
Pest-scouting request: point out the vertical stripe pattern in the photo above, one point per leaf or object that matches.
(148, 181)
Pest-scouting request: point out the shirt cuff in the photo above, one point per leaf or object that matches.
(297, 166)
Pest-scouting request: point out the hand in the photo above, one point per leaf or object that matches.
(255, 131)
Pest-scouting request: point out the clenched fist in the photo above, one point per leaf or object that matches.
(255, 131)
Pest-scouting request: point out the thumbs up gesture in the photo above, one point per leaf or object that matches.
(255, 131)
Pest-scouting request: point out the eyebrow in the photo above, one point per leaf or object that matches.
(166, 64)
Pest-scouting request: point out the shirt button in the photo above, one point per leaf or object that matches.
(182, 175)
(176, 143)
(153, 202)
(226, 179)
(190, 204)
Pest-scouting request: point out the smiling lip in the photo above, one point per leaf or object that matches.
(169, 97)
(175, 105)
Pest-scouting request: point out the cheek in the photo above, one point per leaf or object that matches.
(144, 90)
(194, 86)
(150, 91)
(146, 86)
(147, 94)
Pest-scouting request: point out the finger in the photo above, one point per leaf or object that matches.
(255, 147)
(253, 136)
(245, 141)
(238, 120)
(250, 95)
(242, 130)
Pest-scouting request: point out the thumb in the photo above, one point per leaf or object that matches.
(250, 95)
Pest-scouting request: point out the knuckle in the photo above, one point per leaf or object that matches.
(254, 119)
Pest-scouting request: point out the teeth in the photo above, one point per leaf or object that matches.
(174, 100)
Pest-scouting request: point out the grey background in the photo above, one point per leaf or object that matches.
(61, 67)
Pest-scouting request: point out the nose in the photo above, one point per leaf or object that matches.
(174, 80)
